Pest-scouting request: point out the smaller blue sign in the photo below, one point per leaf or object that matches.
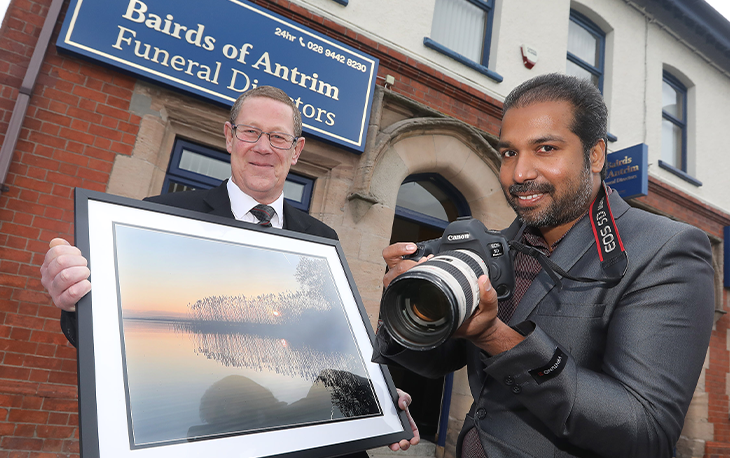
(628, 171)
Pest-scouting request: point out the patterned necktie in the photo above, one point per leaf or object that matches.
(263, 213)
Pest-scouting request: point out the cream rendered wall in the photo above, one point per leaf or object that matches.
(637, 49)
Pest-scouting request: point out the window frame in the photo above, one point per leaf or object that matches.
(590, 27)
(681, 90)
(681, 171)
(483, 66)
(175, 174)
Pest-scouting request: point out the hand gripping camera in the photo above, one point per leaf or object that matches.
(425, 305)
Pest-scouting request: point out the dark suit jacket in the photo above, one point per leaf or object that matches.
(215, 201)
(631, 353)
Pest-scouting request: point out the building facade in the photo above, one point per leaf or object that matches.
(427, 156)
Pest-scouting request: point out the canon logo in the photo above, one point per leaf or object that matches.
(454, 237)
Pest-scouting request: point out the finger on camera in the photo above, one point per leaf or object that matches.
(395, 252)
(487, 294)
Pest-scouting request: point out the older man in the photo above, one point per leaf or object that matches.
(263, 137)
(604, 361)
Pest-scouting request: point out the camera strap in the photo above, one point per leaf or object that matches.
(611, 252)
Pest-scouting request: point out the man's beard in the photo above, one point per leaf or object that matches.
(563, 208)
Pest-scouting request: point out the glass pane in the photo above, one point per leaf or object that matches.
(204, 165)
(293, 191)
(460, 26)
(671, 144)
(410, 231)
(573, 69)
(583, 44)
(178, 187)
(672, 101)
(427, 198)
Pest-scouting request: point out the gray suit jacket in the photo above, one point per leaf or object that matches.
(625, 359)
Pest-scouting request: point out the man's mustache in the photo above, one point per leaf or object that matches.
(531, 187)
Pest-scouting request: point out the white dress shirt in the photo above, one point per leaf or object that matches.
(242, 203)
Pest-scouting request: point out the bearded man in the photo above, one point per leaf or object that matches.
(603, 361)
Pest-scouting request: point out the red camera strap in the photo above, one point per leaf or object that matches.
(614, 260)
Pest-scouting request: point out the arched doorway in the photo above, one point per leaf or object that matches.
(426, 204)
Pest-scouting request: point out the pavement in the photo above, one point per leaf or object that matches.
(423, 449)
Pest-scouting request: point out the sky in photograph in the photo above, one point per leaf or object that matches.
(161, 273)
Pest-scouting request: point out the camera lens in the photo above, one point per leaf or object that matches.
(425, 305)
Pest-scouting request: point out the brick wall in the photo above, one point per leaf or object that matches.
(76, 124)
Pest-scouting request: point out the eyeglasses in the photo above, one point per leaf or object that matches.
(250, 134)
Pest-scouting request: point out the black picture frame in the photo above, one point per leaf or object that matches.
(266, 323)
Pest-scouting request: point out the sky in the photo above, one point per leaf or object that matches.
(723, 6)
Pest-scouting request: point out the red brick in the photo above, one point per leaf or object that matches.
(55, 432)
(52, 445)
(60, 405)
(55, 118)
(28, 416)
(38, 375)
(42, 363)
(23, 231)
(35, 185)
(85, 115)
(77, 136)
(21, 443)
(13, 281)
(56, 418)
(122, 104)
(66, 378)
(13, 359)
(14, 255)
(14, 373)
(113, 112)
(90, 94)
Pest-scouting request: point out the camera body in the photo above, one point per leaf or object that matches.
(425, 305)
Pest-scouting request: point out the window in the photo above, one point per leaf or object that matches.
(674, 127)
(586, 44)
(462, 29)
(194, 166)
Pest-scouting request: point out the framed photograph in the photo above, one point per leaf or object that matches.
(206, 336)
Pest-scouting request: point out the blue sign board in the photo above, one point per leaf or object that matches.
(628, 171)
(218, 49)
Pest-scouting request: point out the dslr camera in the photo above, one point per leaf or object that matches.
(423, 307)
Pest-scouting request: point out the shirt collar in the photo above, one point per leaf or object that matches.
(242, 203)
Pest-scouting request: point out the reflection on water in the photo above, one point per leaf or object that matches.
(191, 381)
(271, 354)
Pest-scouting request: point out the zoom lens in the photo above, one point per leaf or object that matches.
(425, 305)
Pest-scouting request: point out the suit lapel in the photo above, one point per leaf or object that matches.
(219, 202)
(291, 220)
(576, 244)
